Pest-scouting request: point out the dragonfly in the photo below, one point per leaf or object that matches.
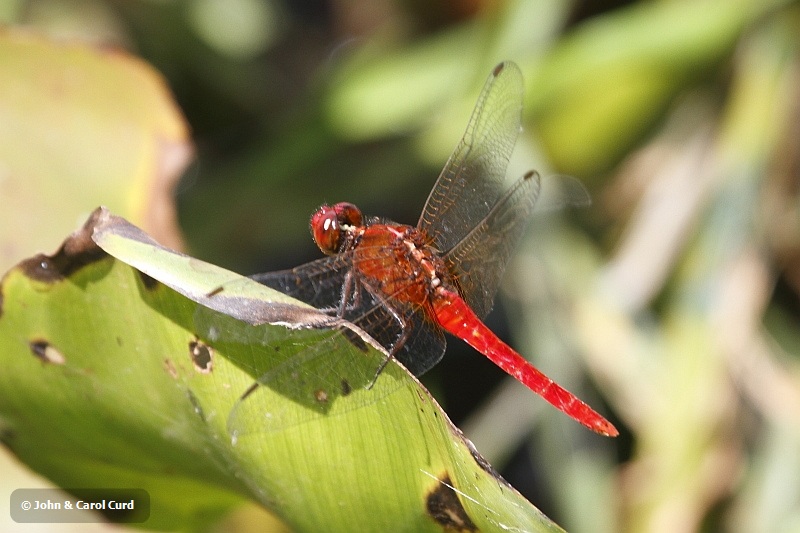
(406, 285)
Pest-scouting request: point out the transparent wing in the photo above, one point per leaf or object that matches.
(421, 342)
(480, 259)
(318, 283)
(472, 180)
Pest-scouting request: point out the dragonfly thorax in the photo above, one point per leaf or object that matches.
(396, 260)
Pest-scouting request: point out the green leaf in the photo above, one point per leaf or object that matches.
(114, 379)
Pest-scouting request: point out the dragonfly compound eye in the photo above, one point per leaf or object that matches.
(348, 214)
(326, 229)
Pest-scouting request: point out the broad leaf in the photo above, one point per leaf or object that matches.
(116, 376)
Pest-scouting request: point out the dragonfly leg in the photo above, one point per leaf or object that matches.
(405, 328)
(351, 295)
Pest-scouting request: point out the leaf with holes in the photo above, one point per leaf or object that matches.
(129, 370)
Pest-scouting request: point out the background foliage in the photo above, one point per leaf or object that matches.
(676, 291)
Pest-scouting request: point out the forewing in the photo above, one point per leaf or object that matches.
(480, 259)
(472, 180)
(318, 283)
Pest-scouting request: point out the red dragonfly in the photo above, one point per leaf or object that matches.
(406, 285)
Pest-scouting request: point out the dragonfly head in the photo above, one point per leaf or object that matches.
(330, 224)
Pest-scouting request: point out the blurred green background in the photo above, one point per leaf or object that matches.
(671, 303)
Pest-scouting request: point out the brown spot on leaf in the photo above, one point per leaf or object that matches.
(250, 390)
(202, 356)
(346, 387)
(46, 352)
(169, 366)
(40, 268)
(77, 251)
(216, 291)
(321, 396)
(444, 506)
